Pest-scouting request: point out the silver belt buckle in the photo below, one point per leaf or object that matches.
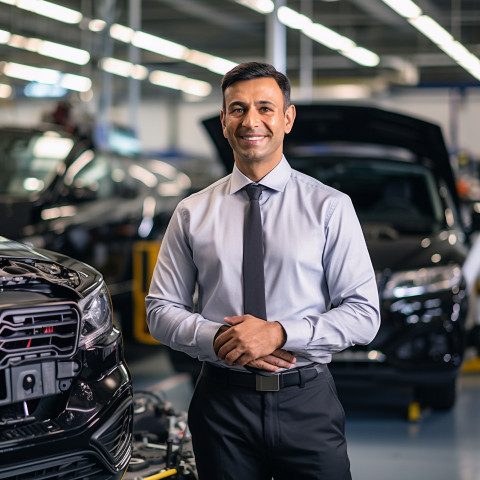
(265, 383)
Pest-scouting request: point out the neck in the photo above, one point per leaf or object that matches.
(255, 171)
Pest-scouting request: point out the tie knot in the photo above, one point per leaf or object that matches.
(254, 191)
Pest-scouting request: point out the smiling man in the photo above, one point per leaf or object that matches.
(265, 405)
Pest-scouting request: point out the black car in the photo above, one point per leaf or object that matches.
(397, 171)
(59, 192)
(66, 401)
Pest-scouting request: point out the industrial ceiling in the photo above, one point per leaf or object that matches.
(230, 30)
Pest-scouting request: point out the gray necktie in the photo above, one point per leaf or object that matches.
(253, 274)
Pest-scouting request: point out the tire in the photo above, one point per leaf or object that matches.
(438, 397)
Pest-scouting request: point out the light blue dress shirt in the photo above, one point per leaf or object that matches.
(320, 284)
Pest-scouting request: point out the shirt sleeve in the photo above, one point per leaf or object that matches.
(354, 316)
(170, 301)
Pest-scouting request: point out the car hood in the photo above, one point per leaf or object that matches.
(318, 123)
(399, 251)
(21, 265)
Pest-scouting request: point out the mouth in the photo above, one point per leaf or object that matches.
(252, 138)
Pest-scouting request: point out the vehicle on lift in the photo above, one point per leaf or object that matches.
(60, 193)
(397, 171)
(66, 400)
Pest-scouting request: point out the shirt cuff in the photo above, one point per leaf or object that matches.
(298, 334)
(205, 335)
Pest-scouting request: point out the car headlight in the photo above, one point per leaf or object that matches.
(97, 316)
(424, 280)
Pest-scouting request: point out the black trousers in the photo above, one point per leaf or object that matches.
(296, 433)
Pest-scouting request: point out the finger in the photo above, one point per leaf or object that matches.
(234, 320)
(277, 361)
(284, 355)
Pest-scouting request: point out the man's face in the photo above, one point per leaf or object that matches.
(254, 121)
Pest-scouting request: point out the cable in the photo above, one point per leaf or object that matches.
(165, 474)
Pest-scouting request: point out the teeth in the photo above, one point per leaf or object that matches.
(253, 138)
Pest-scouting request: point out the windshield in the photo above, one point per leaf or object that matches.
(29, 160)
(400, 194)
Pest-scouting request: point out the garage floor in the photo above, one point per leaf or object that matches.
(383, 443)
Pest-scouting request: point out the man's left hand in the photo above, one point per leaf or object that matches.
(253, 341)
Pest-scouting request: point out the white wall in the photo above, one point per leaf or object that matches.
(162, 126)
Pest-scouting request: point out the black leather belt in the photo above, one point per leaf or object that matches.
(261, 383)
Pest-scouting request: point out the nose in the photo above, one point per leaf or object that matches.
(250, 119)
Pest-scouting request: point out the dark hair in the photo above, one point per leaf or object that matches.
(251, 70)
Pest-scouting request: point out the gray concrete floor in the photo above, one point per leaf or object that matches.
(383, 444)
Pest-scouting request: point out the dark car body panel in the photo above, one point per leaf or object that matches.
(66, 411)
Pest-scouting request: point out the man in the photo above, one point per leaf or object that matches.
(320, 290)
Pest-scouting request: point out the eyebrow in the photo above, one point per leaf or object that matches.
(260, 102)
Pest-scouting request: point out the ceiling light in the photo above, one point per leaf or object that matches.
(77, 83)
(51, 10)
(96, 25)
(431, 29)
(29, 73)
(362, 56)
(5, 90)
(4, 36)
(293, 19)
(261, 6)
(210, 62)
(159, 45)
(63, 52)
(327, 37)
(49, 49)
(121, 33)
(179, 82)
(46, 75)
(405, 8)
(123, 68)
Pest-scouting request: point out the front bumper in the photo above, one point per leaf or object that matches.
(90, 437)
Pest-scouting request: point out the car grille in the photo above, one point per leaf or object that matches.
(78, 467)
(40, 332)
(116, 439)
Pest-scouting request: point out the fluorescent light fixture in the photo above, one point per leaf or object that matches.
(122, 33)
(260, 6)
(8, 2)
(51, 10)
(46, 75)
(159, 45)
(405, 8)
(63, 52)
(437, 34)
(180, 82)
(293, 19)
(29, 73)
(5, 90)
(96, 25)
(210, 62)
(4, 36)
(77, 83)
(123, 68)
(431, 29)
(362, 56)
(327, 37)
(48, 49)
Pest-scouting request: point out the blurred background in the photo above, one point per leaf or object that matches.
(106, 114)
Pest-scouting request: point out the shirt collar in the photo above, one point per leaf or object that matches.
(276, 179)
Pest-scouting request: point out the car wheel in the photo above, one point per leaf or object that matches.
(438, 397)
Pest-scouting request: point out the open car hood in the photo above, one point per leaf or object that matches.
(316, 124)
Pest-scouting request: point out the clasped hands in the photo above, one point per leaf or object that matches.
(251, 341)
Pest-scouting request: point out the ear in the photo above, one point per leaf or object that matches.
(290, 115)
(222, 120)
